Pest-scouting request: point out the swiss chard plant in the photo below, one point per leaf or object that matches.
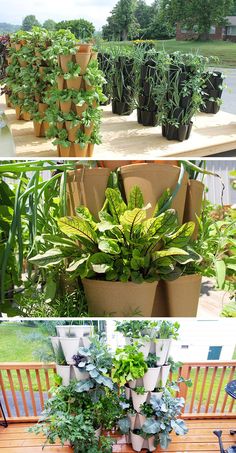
(123, 245)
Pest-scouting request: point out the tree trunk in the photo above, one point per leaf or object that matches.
(205, 36)
(124, 35)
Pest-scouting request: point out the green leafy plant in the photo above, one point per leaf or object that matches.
(128, 364)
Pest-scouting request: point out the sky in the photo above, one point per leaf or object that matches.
(96, 11)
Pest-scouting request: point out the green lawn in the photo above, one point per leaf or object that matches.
(225, 51)
(17, 346)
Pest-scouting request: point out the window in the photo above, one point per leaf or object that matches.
(184, 346)
(212, 30)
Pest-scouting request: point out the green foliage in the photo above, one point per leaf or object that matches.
(49, 24)
(128, 364)
(122, 23)
(122, 245)
(81, 28)
(29, 22)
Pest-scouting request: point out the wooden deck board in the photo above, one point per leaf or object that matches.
(123, 137)
(16, 439)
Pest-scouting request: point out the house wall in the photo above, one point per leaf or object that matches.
(182, 36)
(222, 167)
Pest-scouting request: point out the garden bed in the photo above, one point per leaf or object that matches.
(122, 137)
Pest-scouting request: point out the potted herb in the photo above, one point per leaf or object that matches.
(139, 396)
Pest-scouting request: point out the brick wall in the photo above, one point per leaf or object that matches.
(180, 36)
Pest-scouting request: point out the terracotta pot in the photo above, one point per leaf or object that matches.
(45, 127)
(85, 48)
(79, 375)
(64, 151)
(70, 347)
(42, 107)
(26, 116)
(21, 95)
(118, 298)
(60, 125)
(64, 372)
(65, 106)
(64, 60)
(193, 203)
(138, 400)
(42, 70)
(72, 130)
(81, 109)
(37, 129)
(94, 56)
(86, 186)
(9, 60)
(153, 180)
(18, 112)
(80, 151)
(60, 82)
(74, 83)
(82, 59)
(90, 150)
(7, 100)
(23, 63)
(150, 378)
(162, 349)
(89, 87)
(89, 130)
(37, 98)
(182, 296)
(18, 46)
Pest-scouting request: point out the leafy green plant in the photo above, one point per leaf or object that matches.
(168, 329)
(140, 390)
(151, 360)
(123, 245)
(136, 329)
(128, 364)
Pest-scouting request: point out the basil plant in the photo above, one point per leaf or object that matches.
(123, 245)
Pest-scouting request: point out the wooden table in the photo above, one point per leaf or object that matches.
(123, 137)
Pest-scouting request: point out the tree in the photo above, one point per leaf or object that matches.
(82, 29)
(122, 21)
(143, 15)
(49, 24)
(29, 22)
(198, 15)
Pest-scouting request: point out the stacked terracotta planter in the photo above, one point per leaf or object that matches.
(154, 381)
(70, 339)
(19, 63)
(82, 57)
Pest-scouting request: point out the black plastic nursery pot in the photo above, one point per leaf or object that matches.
(180, 133)
(121, 108)
(148, 118)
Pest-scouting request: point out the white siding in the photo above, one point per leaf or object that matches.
(222, 167)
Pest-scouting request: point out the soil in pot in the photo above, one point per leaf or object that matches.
(153, 180)
(193, 203)
(86, 186)
(182, 296)
(118, 298)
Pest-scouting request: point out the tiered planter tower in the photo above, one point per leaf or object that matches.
(67, 343)
(147, 108)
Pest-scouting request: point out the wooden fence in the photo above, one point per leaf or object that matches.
(24, 388)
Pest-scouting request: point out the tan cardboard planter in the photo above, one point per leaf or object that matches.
(118, 298)
(60, 83)
(72, 130)
(153, 180)
(70, 347)
(81, 108)
(80, 151)
(65, 106)
(90, 150)
(64, 372)
(182, 296)
(37, 129)
(193, 203)
(86, 186)
(26, 116)
(160, 306)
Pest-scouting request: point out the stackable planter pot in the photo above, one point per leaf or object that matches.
(162, 349)
(70, 347)
(122, 103)
(138, 400)
(64, 372)
(163, 376)
(138, 442)
(55, 343)
(150, 378)
(212, 92)
(147, 109)
(78, 331)
(193, 203)
(79, 375)
(153, 180)
(182, 296)
(86, 186)
(118, 298)
(144, 347)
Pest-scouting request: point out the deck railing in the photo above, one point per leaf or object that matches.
(24, 388)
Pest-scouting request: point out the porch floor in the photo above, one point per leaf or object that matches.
(16, 439)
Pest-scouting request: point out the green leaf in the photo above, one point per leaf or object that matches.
(59, 241)
(78, 228)
(83, 213)
(133, 218)
(172, 251)
(49, 258)
(220, 273)
(116, 203)
(135, 198)
(163, 224)
(109, 246)
(182, 236)
(77, 263)
(101, 263)
(162, 201)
